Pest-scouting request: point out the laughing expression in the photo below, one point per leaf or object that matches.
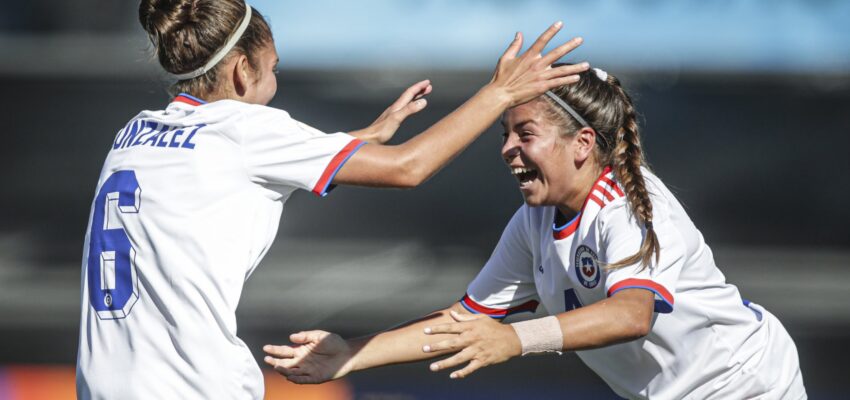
(537, 155)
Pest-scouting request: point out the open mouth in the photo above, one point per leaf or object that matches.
(524, 175)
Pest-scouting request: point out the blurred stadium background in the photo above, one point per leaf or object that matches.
(745, 107)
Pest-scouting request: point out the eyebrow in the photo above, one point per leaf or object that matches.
(520, 123)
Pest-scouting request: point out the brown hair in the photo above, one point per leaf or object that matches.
(608, 109)
(187, 33)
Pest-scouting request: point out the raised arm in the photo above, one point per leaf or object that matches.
(517, 79)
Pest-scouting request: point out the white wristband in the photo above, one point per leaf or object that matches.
(541, 335)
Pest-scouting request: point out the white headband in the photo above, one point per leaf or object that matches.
(231, 41)
(602, 75)
(567, 108)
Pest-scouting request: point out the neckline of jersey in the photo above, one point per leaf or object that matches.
(569, 228)
(188, 99)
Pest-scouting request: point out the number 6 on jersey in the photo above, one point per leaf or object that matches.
(112, 281)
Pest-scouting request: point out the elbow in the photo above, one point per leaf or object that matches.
(637, 327)
(410, 173)
(642, 329)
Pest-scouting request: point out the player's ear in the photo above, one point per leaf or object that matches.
(583, 143)
(242, 74)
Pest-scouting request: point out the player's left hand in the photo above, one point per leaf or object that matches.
(410, 102)
(479, 340)
(314, 357)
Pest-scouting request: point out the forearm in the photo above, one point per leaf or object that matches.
(429, 151)
(401, 344)
(409, 164)
(626, 316)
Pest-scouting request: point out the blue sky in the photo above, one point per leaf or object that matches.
(757, 35)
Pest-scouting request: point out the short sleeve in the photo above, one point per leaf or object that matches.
(621, 237)
(279, 150)
(506, 283)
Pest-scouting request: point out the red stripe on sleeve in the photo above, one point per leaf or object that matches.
(495, 312)
(335, 163)
(642, 284)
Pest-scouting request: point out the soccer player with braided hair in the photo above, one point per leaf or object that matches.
(190, 196)
(601, 243)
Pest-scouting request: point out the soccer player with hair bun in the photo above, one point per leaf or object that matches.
(601, 243)
(190, 197)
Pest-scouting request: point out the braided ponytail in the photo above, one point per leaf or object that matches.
(600, 99)
(627, 161)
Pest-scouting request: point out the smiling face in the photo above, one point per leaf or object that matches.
(538, 155)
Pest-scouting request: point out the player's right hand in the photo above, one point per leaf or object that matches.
(314, 357)
(529, 75)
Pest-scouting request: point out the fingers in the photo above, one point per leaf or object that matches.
(452, 361)
(473, 366)
(513, 48)
(416, 90)
(304, 379)
(283, 362)
(414, 107)
(444, 328)
(565, 71)
(279, 351)
(290, 366)
(307, 337)
(398, 116)
(299, 375)
(290, 372)
(450, 344)
(558, 82)
(277, 362)
(424, 92)
(545, 37)
(562, 50)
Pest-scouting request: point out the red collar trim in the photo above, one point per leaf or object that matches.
(188, 99)
(571, 227)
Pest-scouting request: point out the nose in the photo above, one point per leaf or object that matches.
(510, 149)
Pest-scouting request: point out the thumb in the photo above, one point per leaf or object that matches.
(299, 337)
(464, 317)
(305, 337)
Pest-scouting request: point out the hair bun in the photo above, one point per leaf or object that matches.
(161, 17)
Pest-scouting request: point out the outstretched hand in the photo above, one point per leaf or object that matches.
(410, 102)
(478, 340)
(526, 76)
(314, 357)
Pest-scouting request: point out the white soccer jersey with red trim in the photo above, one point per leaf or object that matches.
(704, 342)
(187, 204)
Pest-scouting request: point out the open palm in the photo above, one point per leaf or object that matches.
(314, 357)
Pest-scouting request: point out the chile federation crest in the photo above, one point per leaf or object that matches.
(587, 267)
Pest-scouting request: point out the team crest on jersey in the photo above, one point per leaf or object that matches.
(587, 267)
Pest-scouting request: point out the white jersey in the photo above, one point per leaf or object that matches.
(187, 204)
(705, 342)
